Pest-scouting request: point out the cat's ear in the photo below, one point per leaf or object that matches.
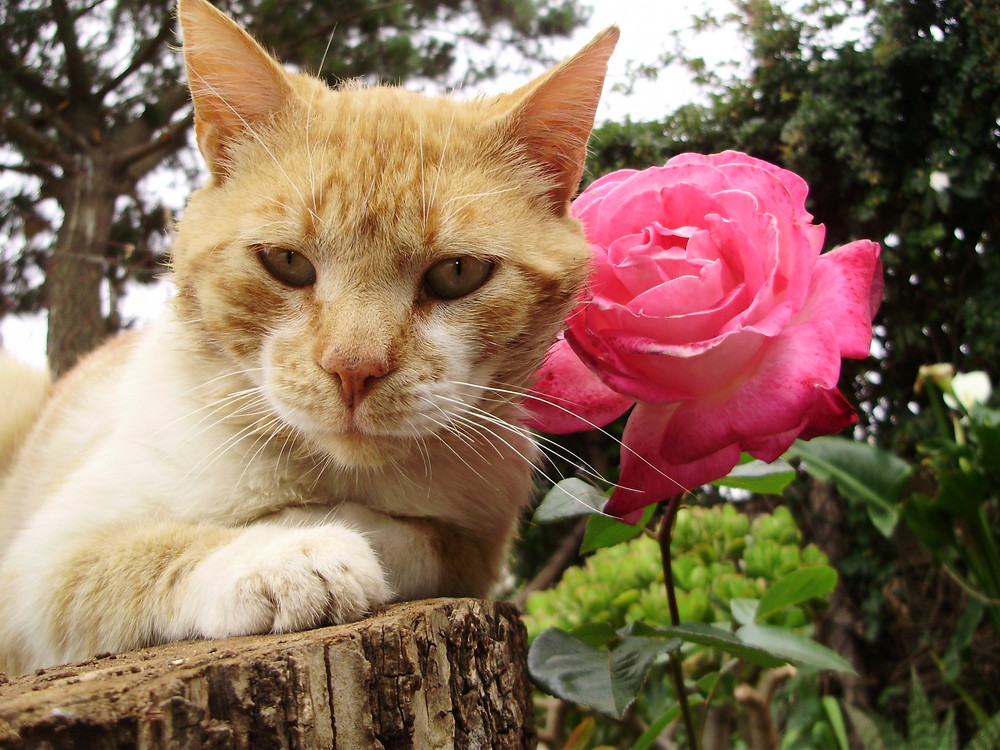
(234, 83)
(554, 114)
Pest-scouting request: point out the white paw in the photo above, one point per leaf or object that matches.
(272, 579)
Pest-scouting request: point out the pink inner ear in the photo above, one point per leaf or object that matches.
(557, 115)
(234, 82)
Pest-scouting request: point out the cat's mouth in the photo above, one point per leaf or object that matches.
(352, 444)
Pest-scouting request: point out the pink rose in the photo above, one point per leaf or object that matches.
(711, 310)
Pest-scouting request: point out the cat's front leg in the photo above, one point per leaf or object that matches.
(134, 584)
(422, 557)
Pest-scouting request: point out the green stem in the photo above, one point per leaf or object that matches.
(664, 536)
(936, 401)
(983, 560)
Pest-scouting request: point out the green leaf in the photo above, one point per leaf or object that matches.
(759, 477)
(567, 499)
(961, 492)
(707, 683)
(798, 586)
(867, 730)
(580, 738)
(594, 634)
(655, 729)
(882, 518)
(988, 737)
(714, 637)
(630, 661)
(788, 645)
(568, 668)
(920, 720)
(744, 610)
(606, 680)
(861, 472)
(987, 437)
(641, 629)
(831, 706)
(932, 525)
(605, 531)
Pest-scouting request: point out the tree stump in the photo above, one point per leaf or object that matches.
(442, 673)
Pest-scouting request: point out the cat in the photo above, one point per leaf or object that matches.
(326, 418)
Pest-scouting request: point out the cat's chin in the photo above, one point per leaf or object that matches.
(357, 450)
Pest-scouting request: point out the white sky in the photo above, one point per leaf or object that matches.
(645, 34)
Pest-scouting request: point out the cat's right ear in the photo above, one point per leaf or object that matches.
(553, 115)
(234, 83)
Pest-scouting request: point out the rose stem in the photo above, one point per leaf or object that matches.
(664, 536)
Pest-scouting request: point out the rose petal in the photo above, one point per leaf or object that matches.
(567, 397)
(626, 207)
(730, 162)
(648, 475)
(831, 413)
(600, 187)
(770, 401)
(660, 313)
(846, 289)
(649, 371)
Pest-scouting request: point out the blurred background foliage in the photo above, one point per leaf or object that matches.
(890, 110)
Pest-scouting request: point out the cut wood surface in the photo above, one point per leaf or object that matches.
(441, 673)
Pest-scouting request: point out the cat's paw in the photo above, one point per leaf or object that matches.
(272, 579)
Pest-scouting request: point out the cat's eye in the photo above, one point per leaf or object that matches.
(288, 266)
(456, 277)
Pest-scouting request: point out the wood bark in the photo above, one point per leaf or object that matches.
(443, 673)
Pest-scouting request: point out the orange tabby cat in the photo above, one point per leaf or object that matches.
(326, 419)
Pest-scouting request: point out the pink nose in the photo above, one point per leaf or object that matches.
(357, 374)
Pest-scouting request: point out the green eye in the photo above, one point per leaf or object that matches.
(456, 277)
(288, 266)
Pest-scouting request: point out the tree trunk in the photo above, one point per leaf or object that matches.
(76, 268)
(444, 673)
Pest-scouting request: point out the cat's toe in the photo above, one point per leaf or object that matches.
(271, 579)
(345, 581)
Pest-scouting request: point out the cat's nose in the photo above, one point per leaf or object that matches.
(357, 374)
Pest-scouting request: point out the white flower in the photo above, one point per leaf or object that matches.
(940, 181)
(970, 389)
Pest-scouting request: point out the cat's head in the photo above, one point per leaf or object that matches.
(374, 259)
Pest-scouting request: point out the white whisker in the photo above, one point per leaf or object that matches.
(444, 153)
(526, 394)
(228, 445)
(546, 443)
(458, 420)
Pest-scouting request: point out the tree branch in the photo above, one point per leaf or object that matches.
(146, 52)
(28, 82)
(32, 140)
(561, 559)
(156, 115)
(140, 141)
(324, 30)
(32, 170)
(141, 159)
(76, 65)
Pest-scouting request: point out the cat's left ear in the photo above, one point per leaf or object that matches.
(234, 83)
(554, 114)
